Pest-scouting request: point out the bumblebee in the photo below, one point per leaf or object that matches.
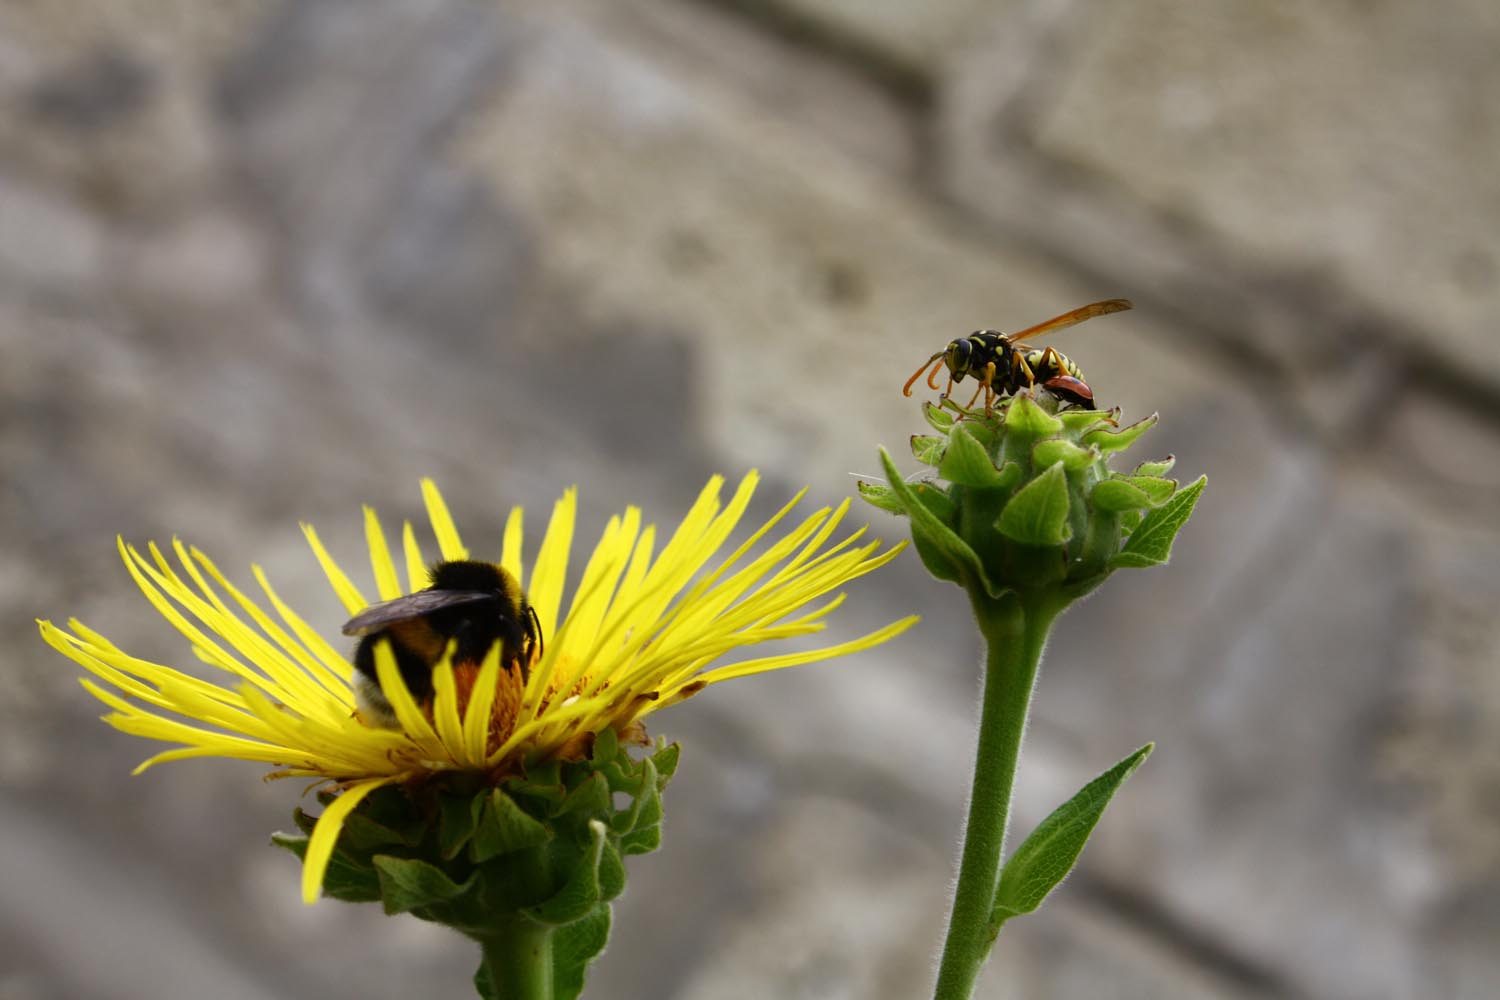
(472, 605)
(1004, 369)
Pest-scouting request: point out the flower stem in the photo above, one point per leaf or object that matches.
(1015, 630)
(518, 959)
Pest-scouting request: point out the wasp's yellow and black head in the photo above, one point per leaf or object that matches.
(470, 605)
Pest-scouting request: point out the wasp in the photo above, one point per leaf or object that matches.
(470, 606)
(1003, 369)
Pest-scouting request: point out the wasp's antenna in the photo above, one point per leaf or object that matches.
(906, 389)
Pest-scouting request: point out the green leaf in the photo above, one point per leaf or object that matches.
(1150, 544)
(940, 419)
(1046, 857)
(504, 827)
(880, 496)
(1106, 439)
(1038, 513)
(1115, 495)
(928, 449)
(1054, 450)
(966, 463)
(945, 555)
(574, 946)
(581, 893)
(408, 884)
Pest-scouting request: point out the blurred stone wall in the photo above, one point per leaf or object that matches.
(261, 262)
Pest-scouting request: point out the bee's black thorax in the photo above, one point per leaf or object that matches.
(471, 626)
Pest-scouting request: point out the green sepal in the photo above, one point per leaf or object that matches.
(1025, 418)
(938, 418)
(1116, 495)
(458, 816)
(1150, 544)
(928, 449)
(1055, 450)
(361, 833)
(935, 499)
(581, 893)
(606, 748)
(945, 555)
(641, 840)
(408, 884)
(611, 872)
(591, 797)
(645, 807)
(1107, 439)
(574, 946)
(1079, 422)
(1038, 513)
(880, 496)
(1159, 468)
(305, 821)
(1159, 489)
(504, 827)
(344, 880)
(967, 463)
(665, 760)
(1049, 853)
(543, 781)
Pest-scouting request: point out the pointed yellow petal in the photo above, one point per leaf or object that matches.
(510, 548)
(348, 594)
(442, 523)
(387, 585)
(325, 836)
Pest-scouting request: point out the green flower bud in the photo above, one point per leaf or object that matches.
(1022, 498)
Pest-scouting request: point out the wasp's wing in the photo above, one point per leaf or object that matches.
(401, 609)
(1071, 317)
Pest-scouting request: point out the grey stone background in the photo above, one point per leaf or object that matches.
(261, 262)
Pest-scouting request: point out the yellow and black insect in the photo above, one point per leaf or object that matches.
(1003, 369)
(470, 605)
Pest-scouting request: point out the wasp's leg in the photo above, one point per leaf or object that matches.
(985, 381)
(1056, 361)
(1018, 364)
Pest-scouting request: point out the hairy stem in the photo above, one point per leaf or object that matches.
(1015, 630)
(518, 960)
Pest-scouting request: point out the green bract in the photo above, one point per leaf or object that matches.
(1023, 499)
(539, 855)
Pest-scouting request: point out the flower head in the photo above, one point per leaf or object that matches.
(641, 632)
(1023, 500)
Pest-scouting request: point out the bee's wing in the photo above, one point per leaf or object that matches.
(401, 609)
(1070, 317)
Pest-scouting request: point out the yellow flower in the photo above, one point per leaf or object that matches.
(640, 634)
